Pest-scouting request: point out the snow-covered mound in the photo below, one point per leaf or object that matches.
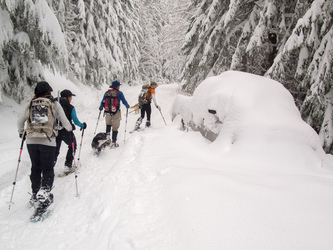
(238, 106)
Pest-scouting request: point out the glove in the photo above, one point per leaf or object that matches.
(84, 126)
(21, 134)
(100, 108)
(159, 108)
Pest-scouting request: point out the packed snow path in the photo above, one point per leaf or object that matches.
(164, 188)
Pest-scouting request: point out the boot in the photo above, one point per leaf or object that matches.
(147, 124)
(68, 168)
(44, 197)
(108, 140)
(114, 139)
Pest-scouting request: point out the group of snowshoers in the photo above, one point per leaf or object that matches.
(47, 121)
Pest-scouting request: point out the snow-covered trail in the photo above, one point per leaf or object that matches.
(118, 205)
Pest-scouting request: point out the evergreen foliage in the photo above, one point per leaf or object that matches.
(164, 25)
(97, 41)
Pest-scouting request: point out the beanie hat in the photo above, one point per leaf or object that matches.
(42, 87)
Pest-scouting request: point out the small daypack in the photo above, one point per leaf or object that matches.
(111, 104)
(143, 95)
(40, 117)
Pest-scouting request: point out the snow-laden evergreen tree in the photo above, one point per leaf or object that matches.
(176, 16)
(6, 35)
(129, 40)
(285, 67)
(96, 41)
(237, 29)
(104, 36)
(152, 22)
(203, 41)
(237, 34)
(307, 61)
(73, 23)
(30, 36)
(164, 25)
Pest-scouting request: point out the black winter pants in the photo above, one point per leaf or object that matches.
(42, 162)
(146, 108)
(68, 138)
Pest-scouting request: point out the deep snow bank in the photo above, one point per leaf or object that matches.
(245, 107)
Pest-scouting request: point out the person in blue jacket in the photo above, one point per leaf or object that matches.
(64, 135)
(113, 117)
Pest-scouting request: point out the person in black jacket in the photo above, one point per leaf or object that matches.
(64, 135)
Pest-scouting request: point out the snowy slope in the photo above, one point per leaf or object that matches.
(168, 189)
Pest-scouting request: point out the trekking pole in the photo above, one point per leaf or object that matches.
(75, 168)
(134, 110)
(98, 120)
(162, 117)
(78, 159)
(17, 168)
(126, 125)
(58, 123)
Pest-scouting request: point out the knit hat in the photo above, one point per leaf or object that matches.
(42, 87)
(153, 83)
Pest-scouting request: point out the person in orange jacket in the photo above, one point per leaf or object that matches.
(146, 106)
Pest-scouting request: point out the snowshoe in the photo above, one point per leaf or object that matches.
(33, 202)
(68, 169)
(137, 130)
(66, 173)
(45, 199)
(114, 145)
(40, 214)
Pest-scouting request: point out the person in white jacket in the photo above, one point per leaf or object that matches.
(42, 150)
